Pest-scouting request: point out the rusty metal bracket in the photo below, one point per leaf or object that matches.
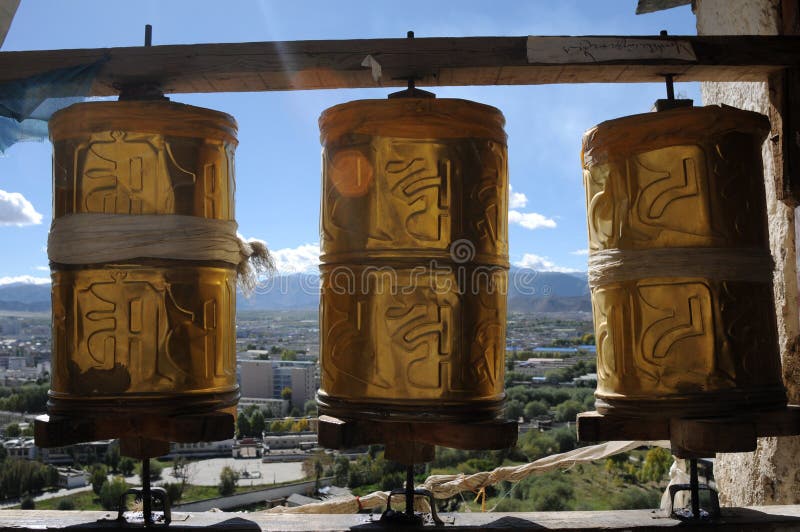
(409, 517)
(148, 496)
(693, 487)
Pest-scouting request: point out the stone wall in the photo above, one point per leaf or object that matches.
(771, 474)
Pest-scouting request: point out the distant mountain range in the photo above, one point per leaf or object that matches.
(528, 291)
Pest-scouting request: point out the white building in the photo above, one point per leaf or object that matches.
(278, 407)
(203, 449)
(72, 478)
(290, 440)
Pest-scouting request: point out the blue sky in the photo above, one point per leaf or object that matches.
(278, 158)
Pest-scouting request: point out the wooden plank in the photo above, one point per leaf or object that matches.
(338, 433)
(753, 519)
(58, 431)
(693, 437)
(8, 8)
(595, 427)
(300, 65)
(784, 115)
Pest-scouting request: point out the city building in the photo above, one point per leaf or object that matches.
(203, 449)
(278, 407)
(267, 379)
(69, 478)
(84, 453)
(537, 367)
(290, 440)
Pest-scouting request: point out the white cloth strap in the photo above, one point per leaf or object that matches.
(104, 238)
(722, 264)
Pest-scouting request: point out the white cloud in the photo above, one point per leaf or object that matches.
(16, 210)
(584, 251)
(541, 264)
(303, 258)
(27, 279)
(42, 268)
(530, 220)
(516, 200)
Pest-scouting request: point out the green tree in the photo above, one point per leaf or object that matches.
(126, 466)
(227, 481)
(288, 354)
(98, 476)
(310, 407)
(19, 477)
(286, 394)
(13, 430)
(112, 457)
(656, 465)
(111, 493)
(633, 498)
(27, 503)
(316, 464)
(243, 426)
(300, 425)
(66, 504)
(617, 465)
(568, 410)
(174, 491)
(566, 438)
(257, 424)
(514, 409)
(341, 471)
(535, 409)
(556, 498)
(556, 376)
(155, 470)
(536, 444)
(182, 470)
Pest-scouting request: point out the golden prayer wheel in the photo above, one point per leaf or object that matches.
(143, 336)
(414, 260)
(680, 268)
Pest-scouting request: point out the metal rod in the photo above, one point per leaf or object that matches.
(694, 488)
(670, 87)
(148, 35)
(669, 77)
(410, 491)
(147, 510)
(410, 35)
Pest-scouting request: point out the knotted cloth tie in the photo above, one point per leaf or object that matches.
(105, 238)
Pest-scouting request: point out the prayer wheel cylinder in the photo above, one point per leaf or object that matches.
(143, 336)
(680, 268)
(414, 260)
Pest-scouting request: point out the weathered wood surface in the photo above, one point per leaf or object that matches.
(738, 519)
(700, 437)
(300, 65)
(57, 431)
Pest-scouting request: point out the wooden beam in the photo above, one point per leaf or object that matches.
(753, 519)
(8, 8)
(301, 65)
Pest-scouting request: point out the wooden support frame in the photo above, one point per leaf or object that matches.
(441, 61)
(409, 442)
(693, 437)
